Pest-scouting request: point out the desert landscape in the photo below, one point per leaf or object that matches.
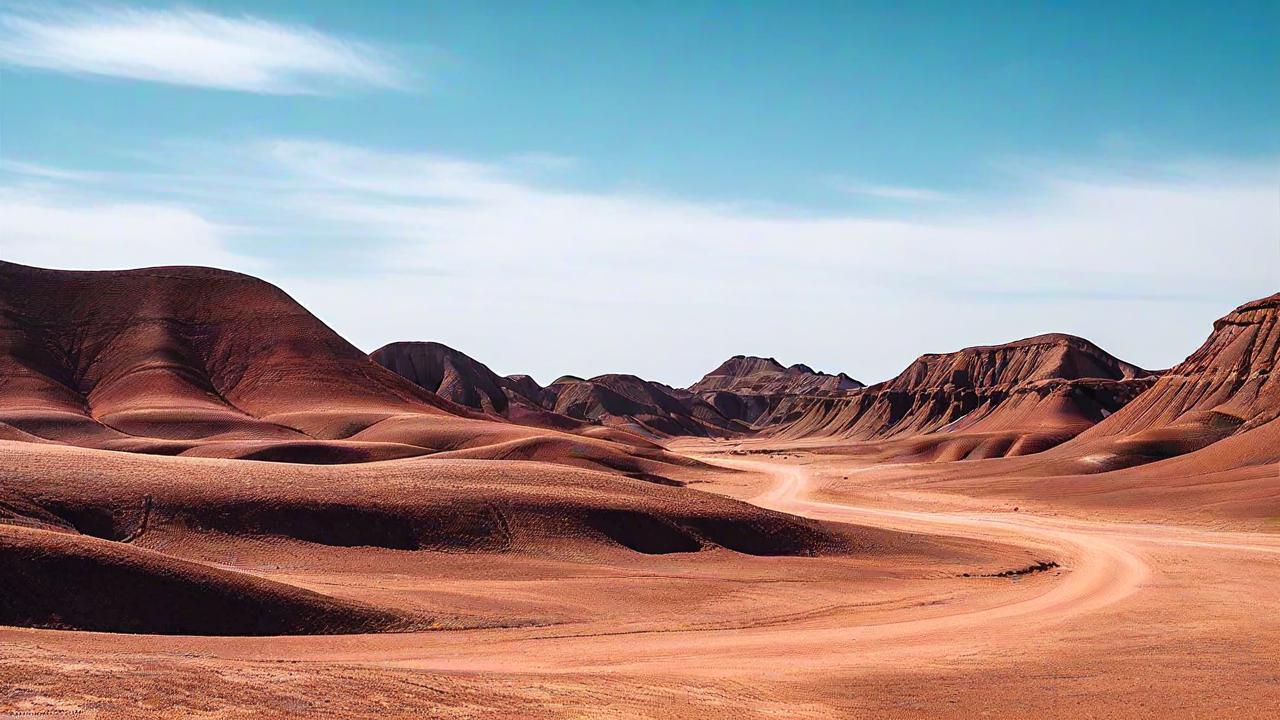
(214, 506)
(692, 360)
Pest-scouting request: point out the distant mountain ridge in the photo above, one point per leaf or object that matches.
(983, 401)
(751, 375)
(1016, 398)
(204, 362)
(620, 401)
(746, 387)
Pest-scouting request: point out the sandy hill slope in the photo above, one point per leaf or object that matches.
(1017, 398)
(1203, 441)
(179, 354)
(197, 361)
(1237, 477)
(111, 541)
(1226, 388)
(78, 582)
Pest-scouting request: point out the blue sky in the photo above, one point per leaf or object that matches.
(599, 186)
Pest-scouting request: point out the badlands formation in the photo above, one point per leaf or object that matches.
(212, 505)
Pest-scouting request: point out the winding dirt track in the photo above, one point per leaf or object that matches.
(1138, 621)
(1101, 569)
(1102, 565)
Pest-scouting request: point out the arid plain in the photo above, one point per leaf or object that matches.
(211, 505)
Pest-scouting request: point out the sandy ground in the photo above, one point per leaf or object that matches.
(1136, 620)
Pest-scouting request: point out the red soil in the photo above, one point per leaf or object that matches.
(78, 522)
(410, 551)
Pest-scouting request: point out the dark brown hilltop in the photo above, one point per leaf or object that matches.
(750, 375)
(203, 362)
(746, 388)
(618, 402)
(457, 377)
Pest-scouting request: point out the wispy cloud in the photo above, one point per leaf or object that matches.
(191, 47)
(498, 258)
(1162, 233)
(899, 193)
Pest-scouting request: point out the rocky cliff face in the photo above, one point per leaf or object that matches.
(1227, 387)
(745, 387)
(527, 387)
(748, 375)
(1018, 398)
(617, 400)
(1021, 397)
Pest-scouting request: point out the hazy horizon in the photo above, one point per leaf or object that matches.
(544, 379)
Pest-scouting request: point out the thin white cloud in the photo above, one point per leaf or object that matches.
(1154, 233)
(900, 193)
(191, 47)
(545, 161)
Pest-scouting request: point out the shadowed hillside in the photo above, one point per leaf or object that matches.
(203, 362)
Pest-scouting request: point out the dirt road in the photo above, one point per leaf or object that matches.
(1134, 621)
